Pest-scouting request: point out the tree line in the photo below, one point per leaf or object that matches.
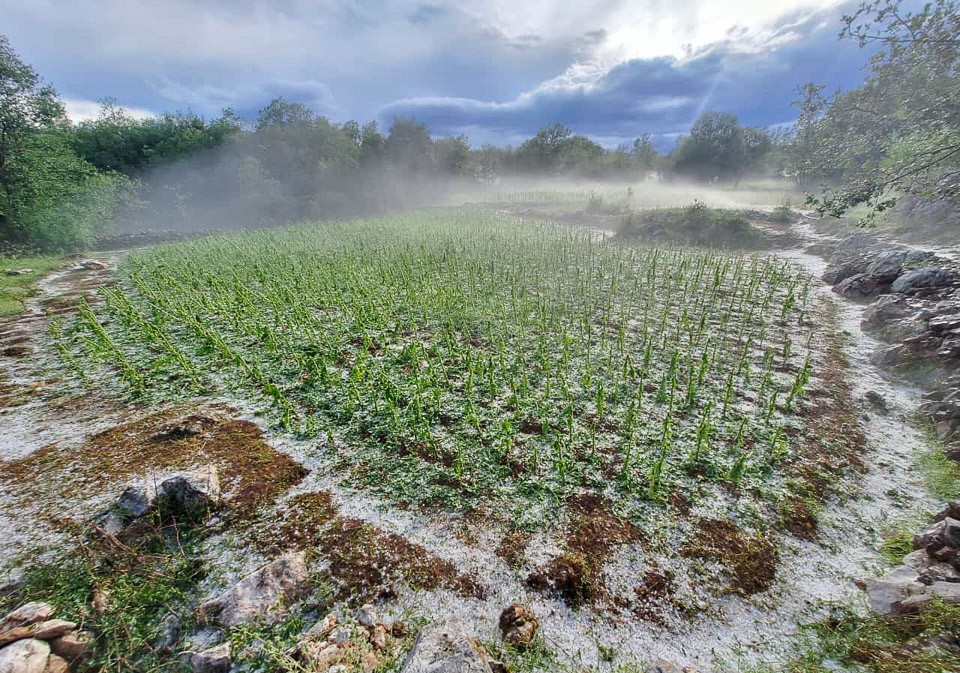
(61, 184)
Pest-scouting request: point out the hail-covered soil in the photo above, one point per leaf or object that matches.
(661, 451)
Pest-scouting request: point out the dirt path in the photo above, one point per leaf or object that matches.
(35, 412)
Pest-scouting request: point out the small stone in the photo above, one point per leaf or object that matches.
(378, 637)
(48, 630)
(321, 628)
(886, 593)
(93, 265)
(24, 656)
(367, 616)
(445, 649)
(518, 625)
(214, 660)
(17, 272)
(191, 492)
(27, 614)
(72, 646)
(339, 635)
(56, 664)
(263, 595)
(319, 654)
(368, 662)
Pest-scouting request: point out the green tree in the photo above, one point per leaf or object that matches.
(408, 145)
(542, 152)
(715, 148)
(645, 155)
(900, 132)
(281, 113)
(27, 106)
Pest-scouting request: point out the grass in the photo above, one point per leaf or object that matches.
(121, 591)
(940, 474)
(878, 644)
(15, 290)
(461, 356)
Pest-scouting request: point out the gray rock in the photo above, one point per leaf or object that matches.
(93, 265)
(887, 265)
(186, 493)
(947, 428)
(262, 596)
(920, 279)
(24, 656)
(948, 592)
(204, 638)
(17, 272)
(367, 616)
(888, 592)
(952, 510)
(888, 355)
(191, 492)
(887, 309)
(840, 272)
(939, 572)
(214, 660)
(445, 649)
(860, 286)
(933, 534)
(919, 560)
(339, 635)
(168, 633)
(951, 532)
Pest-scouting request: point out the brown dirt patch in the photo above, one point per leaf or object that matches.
(512, 548)
(252, 473)
(833, 441)
(799, 518)
(365, 563)
(594, 531)
(751, 559)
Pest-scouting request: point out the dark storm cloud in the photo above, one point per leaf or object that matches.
(663, 96)
(457, 65)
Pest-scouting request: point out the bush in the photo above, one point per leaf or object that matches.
(695, 224)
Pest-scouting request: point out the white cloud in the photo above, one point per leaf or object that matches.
(84, 110)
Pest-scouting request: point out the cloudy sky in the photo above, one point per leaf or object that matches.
(495, 70)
